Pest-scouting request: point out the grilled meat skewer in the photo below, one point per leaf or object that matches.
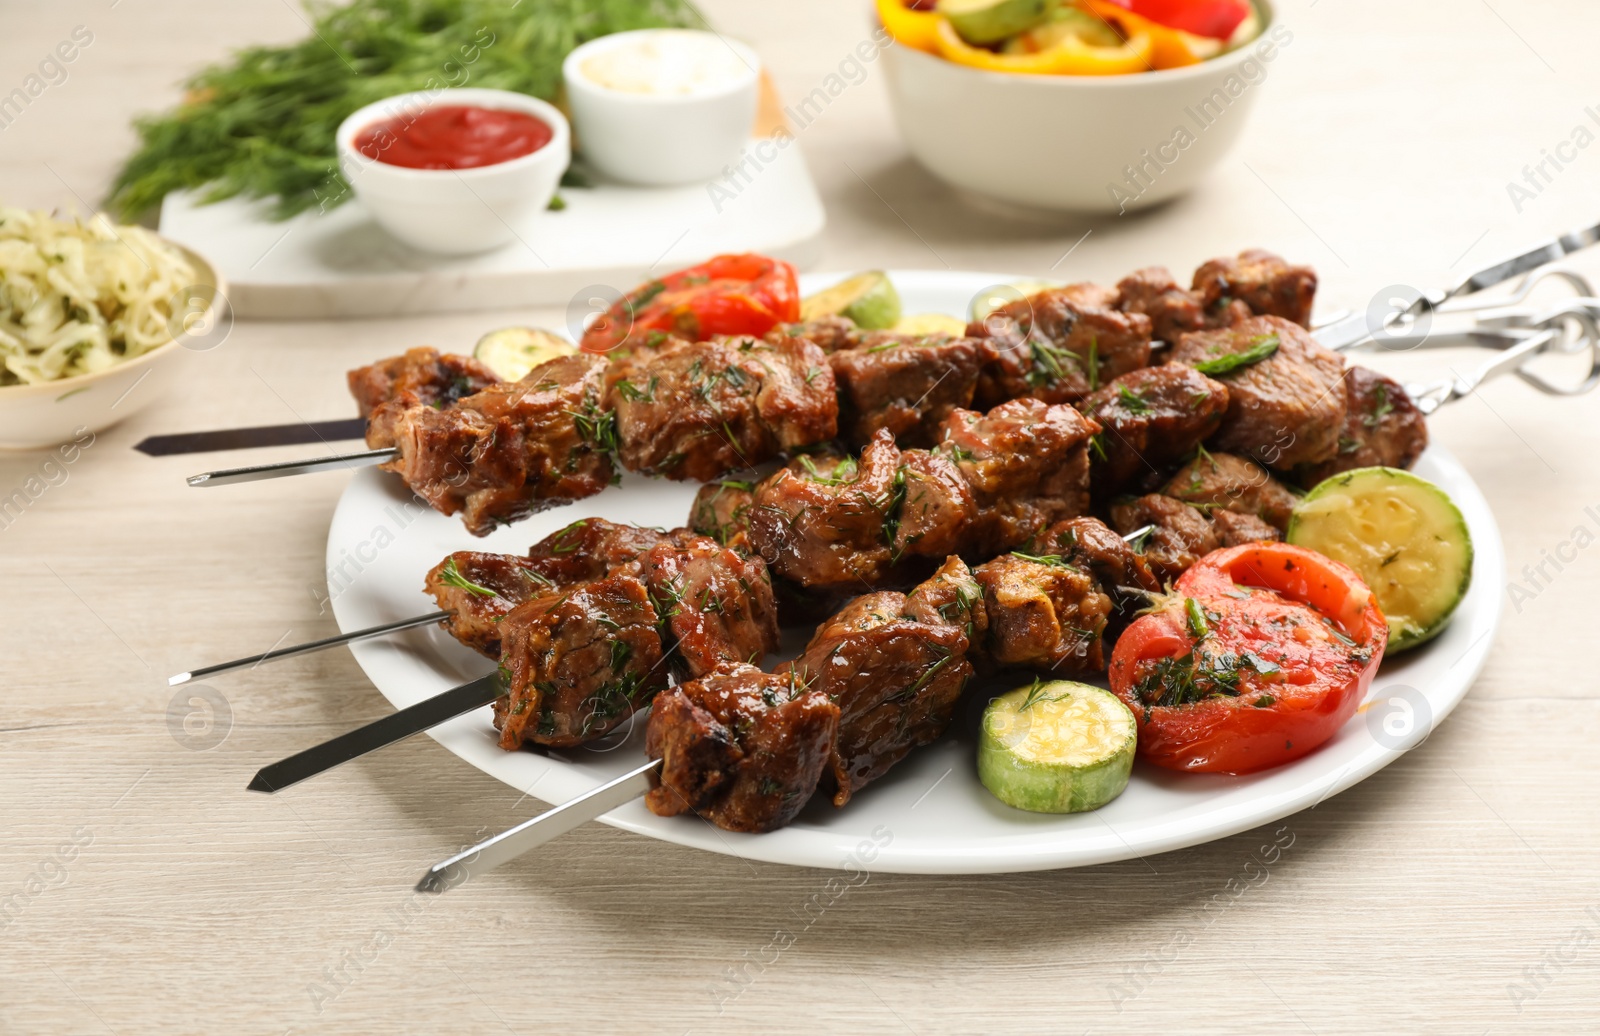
(590, 624)
(746, 749)
(697, 410)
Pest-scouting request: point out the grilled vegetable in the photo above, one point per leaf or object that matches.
(931, 324)
(512, 352)
(911, 26)
(1057, 747)
(985, 22)
(1217, 19)
(868, 300)
(1261, 656)
(1064, 22)
(1069, 54)
(743, 294)
(1403, 535)
(986, 302)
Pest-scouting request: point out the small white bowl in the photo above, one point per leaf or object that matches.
(456, 211)
(1070, 142)
(72, 409)
(661, 139)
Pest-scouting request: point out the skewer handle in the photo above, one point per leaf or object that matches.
(397, 726)
(252, 438)
(530, 834)
(259, 472)
(305, 649)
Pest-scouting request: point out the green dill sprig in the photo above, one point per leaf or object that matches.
(262, 124)
(1260, 348)
(450, 575)
(1132, 401)
(1050, 560)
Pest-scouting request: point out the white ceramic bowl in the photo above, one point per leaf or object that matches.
(660, 139)
(1078, 143)
(456, 211)
(71, 409)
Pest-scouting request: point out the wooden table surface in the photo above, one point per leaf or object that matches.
(1456, 891)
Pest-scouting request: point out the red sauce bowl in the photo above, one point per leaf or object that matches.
(453, 136)
(455, 171)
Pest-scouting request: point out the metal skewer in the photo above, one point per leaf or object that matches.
(534, 832)
(398, 726)
(305, 649)
(406, 723)
(283, 469)
(252, 438)
(1502, 331)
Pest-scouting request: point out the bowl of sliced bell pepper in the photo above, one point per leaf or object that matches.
(1076, 105)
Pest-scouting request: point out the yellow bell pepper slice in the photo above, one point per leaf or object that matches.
(912, 28)
(1071, 56)
(1169, 47)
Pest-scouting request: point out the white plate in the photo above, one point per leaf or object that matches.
(929, 815)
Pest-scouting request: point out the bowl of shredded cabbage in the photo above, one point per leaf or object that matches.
(93, 318)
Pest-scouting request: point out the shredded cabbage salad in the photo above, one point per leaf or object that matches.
(78, 297)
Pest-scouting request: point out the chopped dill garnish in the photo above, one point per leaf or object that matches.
(451, 576)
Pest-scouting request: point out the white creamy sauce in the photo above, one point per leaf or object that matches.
(667, 62)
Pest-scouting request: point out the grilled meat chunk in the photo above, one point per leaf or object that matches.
(936, 508)
(1284, 410)
(578, 662)
(1058, 345)
(746, 749)
(1121, 574)
(1087, 543)
(742, 748)
(630, 360)
(1234, 528)
(1182, 535)
(1213, 481)
(1263, 281)
(512, 449)
(721, 510)
(716, 605)
(1044, 613)
(419, 377)
(829, 333)
(896, 682)
(832, 522)
(824, 520)
(593, 548)
(950, 597)
(1382, 427)
(906, 386)
(480, 590)
(1149, 419)
(1172, 310)
(708, 408)
(1027, 465)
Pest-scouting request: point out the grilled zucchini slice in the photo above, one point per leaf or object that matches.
(1056, 747)
(1402, 534)
(867, 300)
(512, 352)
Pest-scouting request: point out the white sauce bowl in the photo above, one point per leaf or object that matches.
(1070, 142)
(660, 139)
(456, 211)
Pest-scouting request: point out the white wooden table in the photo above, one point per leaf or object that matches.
(1458, 891)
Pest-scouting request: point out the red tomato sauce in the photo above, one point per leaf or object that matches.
(453, 136)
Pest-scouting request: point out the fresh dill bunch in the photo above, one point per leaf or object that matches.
(262, 125)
